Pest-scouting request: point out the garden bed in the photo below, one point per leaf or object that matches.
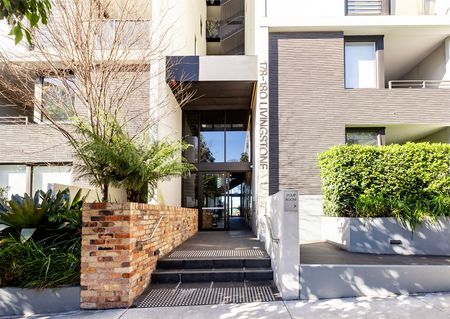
(387, 236)
(393, 199)
(25, 302)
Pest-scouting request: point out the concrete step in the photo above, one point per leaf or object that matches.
(172, 263)
(212, 274)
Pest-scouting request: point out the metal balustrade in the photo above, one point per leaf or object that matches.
(367, 7)
(23, 120)
(419, 84)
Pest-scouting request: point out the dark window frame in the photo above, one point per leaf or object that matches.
(381, 133)
(379, 56)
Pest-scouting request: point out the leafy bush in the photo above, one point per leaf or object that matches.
(40, 242)
(39, 264)
(135, 163)
(410, 182)
(3, 195)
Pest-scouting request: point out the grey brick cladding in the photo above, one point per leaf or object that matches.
(309, 106)
(32, 143)
(38, 143)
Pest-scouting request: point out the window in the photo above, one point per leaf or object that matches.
(217, 136)
(365, 136)
(20, 179)
(360, 65)
(14, 178)
(56, 99)
(45, 175)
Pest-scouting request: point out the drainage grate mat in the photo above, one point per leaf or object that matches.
(205, 296)
(217, 253)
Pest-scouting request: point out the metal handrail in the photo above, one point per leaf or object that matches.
(419, 84)
(153, 233)
(269, 226)
(14, 120)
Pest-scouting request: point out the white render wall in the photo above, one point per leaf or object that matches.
(301, 8)
(436, 66)
(181, 26)
(170, 127)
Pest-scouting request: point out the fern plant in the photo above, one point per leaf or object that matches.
(136, 164)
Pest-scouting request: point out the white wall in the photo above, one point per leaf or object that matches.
(420, 7)
(441, 136)
(281, 239)
(250, 25)
(181, 34)
(301, 8)
(94, 195)
(436, 66)
(170, 126)
(181, 26)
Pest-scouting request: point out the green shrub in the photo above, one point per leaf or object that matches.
(3, 195)
(40, 240)
(33, 264)
(44, 212)
(410, 182)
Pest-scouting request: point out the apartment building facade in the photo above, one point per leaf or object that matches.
(368, 72)
(276, 82)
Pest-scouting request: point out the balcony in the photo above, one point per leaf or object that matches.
(397, 7)
(367, 7)
(419, 84)
(225, 27)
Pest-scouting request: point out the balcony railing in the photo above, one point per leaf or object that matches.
(23, 120)
(419, 84)
(396, 7)
(367, 7)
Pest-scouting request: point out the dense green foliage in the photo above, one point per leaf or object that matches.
(410, 182)
(136, 164)
(40, 240)
(3, 195)
(33, 11)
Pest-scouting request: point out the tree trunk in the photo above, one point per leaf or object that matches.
(105, 193)
(133, 196)
(143, 194)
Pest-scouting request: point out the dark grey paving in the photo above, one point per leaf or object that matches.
(222, 240)
(238, 223)
(213, 245)
(190, 294)
(325, 253)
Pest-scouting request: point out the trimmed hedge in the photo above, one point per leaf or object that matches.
(389, 181)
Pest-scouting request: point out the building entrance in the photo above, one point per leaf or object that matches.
(225, 202)
(220, 149)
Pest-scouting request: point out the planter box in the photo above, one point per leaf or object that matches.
(387, 236)
(25, 302)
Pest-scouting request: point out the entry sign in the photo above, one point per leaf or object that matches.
(291, 201)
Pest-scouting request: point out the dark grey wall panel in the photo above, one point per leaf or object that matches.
(309, 106)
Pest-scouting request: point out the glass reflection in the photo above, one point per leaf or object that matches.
(213, 206)
(212, 136)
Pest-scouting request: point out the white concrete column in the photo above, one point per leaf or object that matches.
(283, 243)
(261, 122)
(447, 59)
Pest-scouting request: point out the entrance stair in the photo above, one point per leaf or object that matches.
(212, 268)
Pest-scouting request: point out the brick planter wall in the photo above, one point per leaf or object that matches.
(118, 253)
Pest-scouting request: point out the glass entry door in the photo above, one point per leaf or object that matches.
(225, 200)
(214, 201)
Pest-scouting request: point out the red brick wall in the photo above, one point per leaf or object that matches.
(118, 253)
